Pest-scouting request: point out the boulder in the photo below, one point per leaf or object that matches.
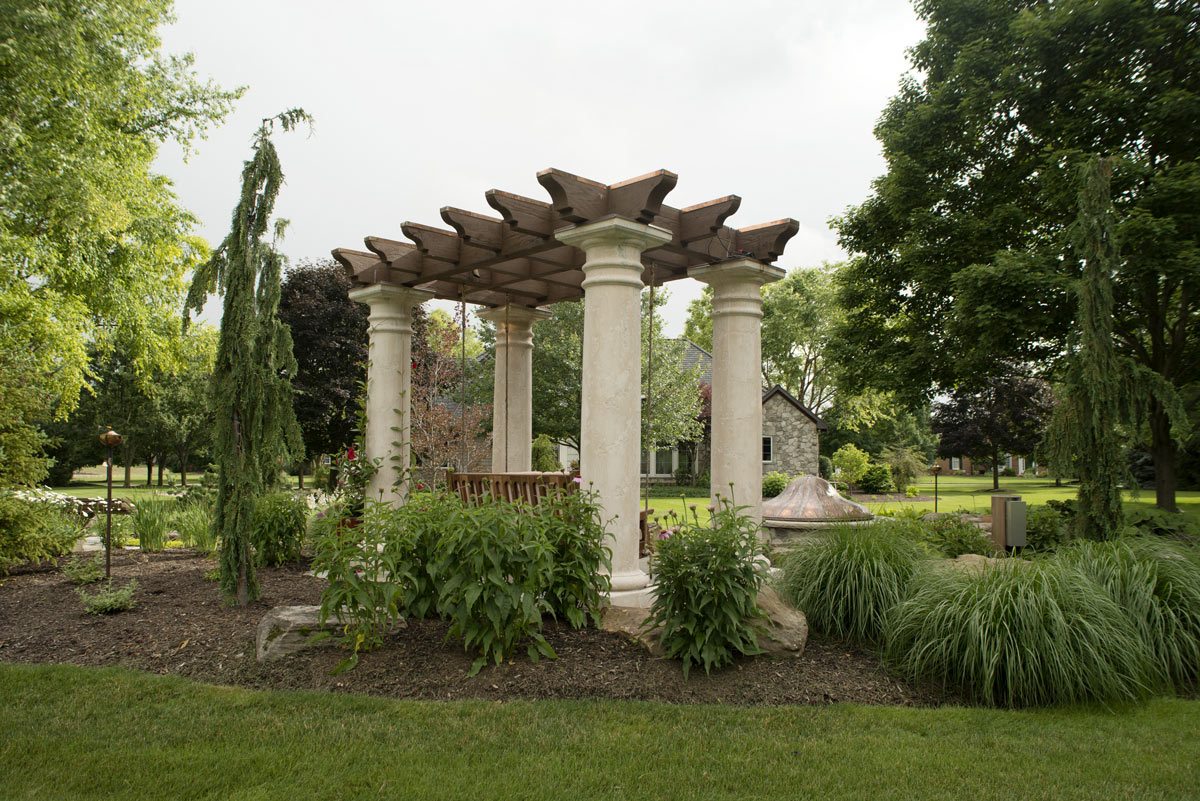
(287, 629)
(786, 629)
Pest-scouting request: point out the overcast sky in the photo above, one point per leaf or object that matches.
(424, 105)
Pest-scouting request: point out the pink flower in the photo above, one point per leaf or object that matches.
(578, 480)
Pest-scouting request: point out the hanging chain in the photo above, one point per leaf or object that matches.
(507, 349)
(652, 457)
(462, 366)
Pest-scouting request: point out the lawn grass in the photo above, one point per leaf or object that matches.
(85, 733)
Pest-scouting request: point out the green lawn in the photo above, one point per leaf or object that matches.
(80, 733)
(966, 493)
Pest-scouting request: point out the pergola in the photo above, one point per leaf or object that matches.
(602, 243)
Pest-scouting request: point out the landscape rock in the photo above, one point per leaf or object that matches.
(287, 629)
(786, 629)
(629, 622)
(973, 561)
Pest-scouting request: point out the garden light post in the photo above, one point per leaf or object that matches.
(936, 468)
(109, 439)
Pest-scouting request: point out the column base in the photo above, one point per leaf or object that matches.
(632, 599)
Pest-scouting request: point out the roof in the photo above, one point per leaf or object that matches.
(790, 398)
(696, 356)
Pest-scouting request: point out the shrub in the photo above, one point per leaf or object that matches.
(951, 536)
(708, 580)
(109, 599)
(491, 569)
(150, 522)
(850, 463)
(877, 480)
(579, 583)
(1161, 523)
(277, 527)
(905, 464)
(911, 491)
(194, 522)
(774, 483)
(1019, 634)
(1046, 528)
(850, 576)
(84, 569)
(825, 467)
(33, 531)
(1158, 589)
(545, 455)
(366, 575)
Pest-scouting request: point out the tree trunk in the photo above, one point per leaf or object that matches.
(1058, 481)
(128, 459)
(161, 459)
(1163, 452)
(995, 468)
(183, 466)
(300, 472)
(150, 471)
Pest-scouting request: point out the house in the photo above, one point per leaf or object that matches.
(790, 433)
(962, 465)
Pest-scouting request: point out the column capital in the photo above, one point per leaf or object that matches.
(613, 230)
(736, 272)
(390, 294)
(514, 315)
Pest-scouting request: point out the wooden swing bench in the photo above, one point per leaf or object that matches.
(530, 488)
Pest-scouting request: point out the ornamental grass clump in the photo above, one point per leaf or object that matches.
(851, 576)
(708, 577)
(151, 520)
(1158, 589)
(1019, 634)
(194, 522)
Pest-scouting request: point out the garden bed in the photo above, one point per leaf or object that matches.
(181, 627)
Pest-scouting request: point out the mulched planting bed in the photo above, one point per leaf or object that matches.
(180, 626)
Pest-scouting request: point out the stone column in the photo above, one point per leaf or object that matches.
(389, 380)
(610, 436)
(512, 395)
(737, 378)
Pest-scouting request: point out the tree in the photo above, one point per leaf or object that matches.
(93, 244)
(800, 314)
(183, 411)
(558, 373)
(329, 332)
(1008, 413)
(671, 402)
(962, 247)
(1087, 421)
(255, 428)
(851, 464)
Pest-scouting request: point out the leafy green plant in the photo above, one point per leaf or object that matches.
(708, 578)
(366, 575)
(545, 455)
(33, 531)
(825, 467)
(877, 480)
(911, 491)
(1161, 523)
(1158, 589)
(151, 520)
(850, 463)
(1046, 528)
(109, 599)
(774, 483)
(952, 536)
(1019, 634)
(194, 522)
(492, 568)
(278, 526)
(579, 582)
(82, 569)
(851, 576)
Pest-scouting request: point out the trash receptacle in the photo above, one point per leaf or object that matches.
(1008, 521)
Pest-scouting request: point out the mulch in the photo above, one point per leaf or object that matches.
(181, 626)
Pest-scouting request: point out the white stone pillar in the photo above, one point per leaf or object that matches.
(611, 417)
(737, 378)
(389, 384)
(512, 395)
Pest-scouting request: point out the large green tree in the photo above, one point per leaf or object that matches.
(256, 431)
(961, 250)
(93, 245)
(800, 314)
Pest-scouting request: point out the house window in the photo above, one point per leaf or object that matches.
(955, 463)
(768, 449)
(663, 462)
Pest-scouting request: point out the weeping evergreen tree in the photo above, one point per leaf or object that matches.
(1085, 430)
(256, 429)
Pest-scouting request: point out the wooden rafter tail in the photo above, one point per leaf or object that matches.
(434, 243)
(479, 230)
(362, 267)
(706, 220)
(641, 198)
(766, 241)
(403, 259)
(524, 214)
(574, 199)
